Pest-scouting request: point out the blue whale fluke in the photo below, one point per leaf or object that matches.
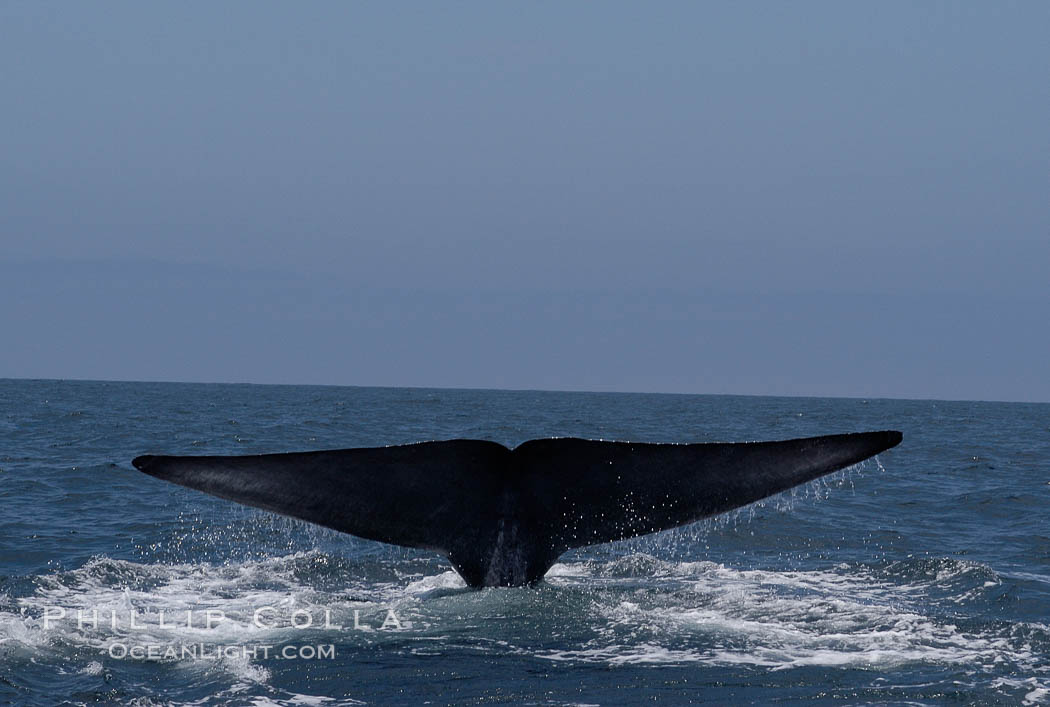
(501, 516)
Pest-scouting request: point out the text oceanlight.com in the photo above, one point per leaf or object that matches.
(198, 651)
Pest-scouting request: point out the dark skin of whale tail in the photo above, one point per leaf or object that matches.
(501, 516)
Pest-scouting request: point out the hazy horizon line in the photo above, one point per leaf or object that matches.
(522, 390)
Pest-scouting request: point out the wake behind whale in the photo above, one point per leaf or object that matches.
(502, 516)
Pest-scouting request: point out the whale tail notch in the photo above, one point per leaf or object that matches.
(503, 516)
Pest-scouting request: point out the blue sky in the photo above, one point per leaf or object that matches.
(758, 198)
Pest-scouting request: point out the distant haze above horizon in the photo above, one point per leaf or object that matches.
(828, 199)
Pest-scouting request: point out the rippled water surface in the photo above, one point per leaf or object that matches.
(920, 577)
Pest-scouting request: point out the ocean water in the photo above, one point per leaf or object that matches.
(921, 577)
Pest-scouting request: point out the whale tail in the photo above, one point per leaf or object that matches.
(503, 516)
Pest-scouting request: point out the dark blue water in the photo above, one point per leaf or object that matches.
(923, 577)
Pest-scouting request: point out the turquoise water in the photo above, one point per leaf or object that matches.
(922, 577)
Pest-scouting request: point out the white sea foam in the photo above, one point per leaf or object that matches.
(110, 605)
(637, 610)
(844, 616)
(1031, 576)
(300, 701)
(1038, 690)
(92, 668)
(434, 583)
